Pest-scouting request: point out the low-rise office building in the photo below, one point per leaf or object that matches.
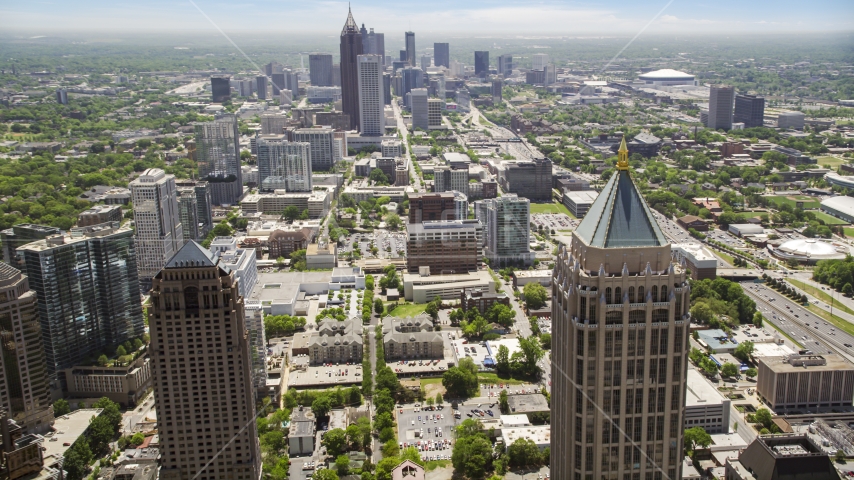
(476, 298)
(321, 256)
(528, 404)
(316, 202)
(698, 259)
(801, 382)
(423, 287)
(100, 214)
(579, 202)
(524, 277)
(541, 435)
(704, 405)
(302, 432)
(777, 457)
(125, 384)
(444, 246)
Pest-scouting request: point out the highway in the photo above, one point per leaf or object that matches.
(806, 328)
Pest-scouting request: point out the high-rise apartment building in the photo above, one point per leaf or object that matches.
(749, 110)
(351, 48)
(20, 235)
(199, 300)
(261, 87)
(434, 112)
(220, 88)
(539, 61)
(442, 55)
(549, 74)
(410, 48)
(620, 341)
(24, 383)
(446, 246)
(273, 124)
(87, 288)
(371, 101)
(481, 63)
(320, 69)
(432, 206)
(203, 203)
(188, 206)
(419, 106)
(157, 217)
(218, 158)
(505, 65)
(721, 99)
(322, 141)
(507, 230)
(284, 165)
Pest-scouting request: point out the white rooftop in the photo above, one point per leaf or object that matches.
(515, 420)
(699, 391)
(665, 73)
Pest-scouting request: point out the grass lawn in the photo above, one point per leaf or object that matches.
(809, 202)
(820, 294)
(725, 256)
(550, 208)
(430, 381)
(408, 310)
(831, 162)
(829, 220)
(782, 332)
(744, 215)
(849, 232)
(494, 378)
(434, 464)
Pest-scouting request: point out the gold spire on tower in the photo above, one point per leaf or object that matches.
(623, 156)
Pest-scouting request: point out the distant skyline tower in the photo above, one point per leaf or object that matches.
(24, 382)
(410, 48)
(481, 63)
(157, 217)
(320, 69)
(539, 61)
(750, 110)
(351, 48)
(374, 44)
(261, 87)
(371, 97)
(194, 297)
(721, 101)
(619, 343)
(505, 65)
(220, 88)
(442, 55)
(218, 158)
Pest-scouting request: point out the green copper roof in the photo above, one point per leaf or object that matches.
(620, 218)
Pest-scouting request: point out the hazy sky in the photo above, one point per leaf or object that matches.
(501, 17)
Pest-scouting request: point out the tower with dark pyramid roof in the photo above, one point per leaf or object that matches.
(619, 344)
(351, 48)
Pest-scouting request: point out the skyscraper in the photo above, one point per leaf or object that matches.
(441, 55)
(750, 110)
(620, 341)
(539, 61)
(284, 165)
(87, 287)
(203, 204)
(351, 48)
(410, 48)
(425, 62)
(261, 87)
(194, 297)
(220, 88)
(420, 117)
(505, 65)
(373, 43)
(481, 63)
(218, 159)
(188, 206)
(371, 101)
(320, 69)
(721, 99)
(507, 230)
(322, 141)
(24, 383)
(159, 234)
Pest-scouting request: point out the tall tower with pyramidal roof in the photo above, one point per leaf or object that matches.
(619, 344)
(351, 48)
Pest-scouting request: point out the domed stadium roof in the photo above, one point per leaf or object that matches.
(667, 74)
(808, 249)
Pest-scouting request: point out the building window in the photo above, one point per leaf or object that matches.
(631, 294)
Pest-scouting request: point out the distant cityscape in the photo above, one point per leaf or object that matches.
(491, 258)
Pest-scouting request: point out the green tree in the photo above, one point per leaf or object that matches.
(758, 319)
(378, 176)
(390, 449)
(335, 442)
(61, 407)
(751, 372)
(321, 406)
(461, 381)
(325, 474)
(743, 351)
(378, 306)
(532, 352)
(100, 433)
(291, 213)
(503, 403)
(392, 221)
(696, 437)
(763, 416)
(472, 455)
(502, 360)
(729, 370)
(77, 459)
(439, 399)
(137, 438)
(840, 456)
(342, 465)
(433, 310)
(120, 351)
(103, 360)
(535, 295)
(523, 452)
(546, 340)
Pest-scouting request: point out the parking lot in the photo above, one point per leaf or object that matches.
(431, 432)
(554, 221)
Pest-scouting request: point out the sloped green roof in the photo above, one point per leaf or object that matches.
(620, 217)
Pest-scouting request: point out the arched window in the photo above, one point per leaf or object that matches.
(608, 296)
(659, 315)
(191, 298)
(631, 294)
(614, 318)
(637, 316)
(664, 293)
(655, 293)
(641, 298)
(618, 295)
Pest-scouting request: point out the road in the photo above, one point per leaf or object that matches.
(806, 328)
(404, 134)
